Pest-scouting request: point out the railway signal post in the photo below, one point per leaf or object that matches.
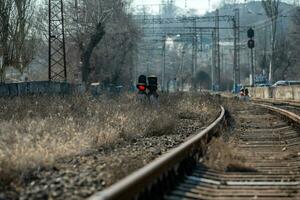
(251, 45)
(142, 88)
(152, 87)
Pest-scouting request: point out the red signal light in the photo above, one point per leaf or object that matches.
(142, 87)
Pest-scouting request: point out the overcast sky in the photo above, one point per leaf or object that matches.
(201, 5)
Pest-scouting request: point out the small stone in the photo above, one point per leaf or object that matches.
(2, 197)
(56, 193)
(58, 180)
(103, 183)
(41, 195)
(155, 151)
(284, 149)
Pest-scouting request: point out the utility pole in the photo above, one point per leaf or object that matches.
(216, 62)
(193, 56)
(213, 66)
(195, 49)
(252, 69)
(57, 49)
(1, 66)
(163, 69)
(217, 48)
(201, 40)
(222, 63)
(234, 56)
(181, 66)
(236, 60)
(238, 47)
(251, 45)
(147, 66)
(194, 53)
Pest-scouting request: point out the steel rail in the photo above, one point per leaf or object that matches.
(136, 183)
(292, 116)
(274, 101)
(271, 175)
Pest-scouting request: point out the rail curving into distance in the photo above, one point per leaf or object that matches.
(270, 144)
(290, 115)
(145, 183)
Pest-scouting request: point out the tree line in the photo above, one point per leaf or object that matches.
(100, 39)
(102, 42)
(16, 34)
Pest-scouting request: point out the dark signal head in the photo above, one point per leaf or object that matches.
(142, 79)
(152, 83)
(142, 83)
(250, 33)
(251, 44)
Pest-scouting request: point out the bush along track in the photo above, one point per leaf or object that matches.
(69, 148)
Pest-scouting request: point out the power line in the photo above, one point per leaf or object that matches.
(268, 21)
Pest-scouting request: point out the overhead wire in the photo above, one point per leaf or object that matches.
(268, 21)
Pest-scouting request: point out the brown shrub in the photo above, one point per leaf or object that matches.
(223, 156)
(162, 124)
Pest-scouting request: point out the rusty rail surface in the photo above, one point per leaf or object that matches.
(275, 102)
(275, 178)
(270, 146)
(290, 115)
(138, 183)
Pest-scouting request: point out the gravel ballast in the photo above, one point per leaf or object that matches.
(80, 175)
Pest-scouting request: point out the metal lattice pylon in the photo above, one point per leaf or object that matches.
(57, 49)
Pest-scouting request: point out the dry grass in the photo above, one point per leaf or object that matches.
(35, 131)
(164, 124)
(223, 156)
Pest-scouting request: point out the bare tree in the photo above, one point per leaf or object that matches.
(285, 58)
(16, 40)
(272, 8)
(23, 51)
(104, 36)
(5, 15)
(293, 40)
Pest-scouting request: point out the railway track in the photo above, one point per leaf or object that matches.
(269, 143)
(291, 106)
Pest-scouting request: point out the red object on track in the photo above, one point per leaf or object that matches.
(142, 87)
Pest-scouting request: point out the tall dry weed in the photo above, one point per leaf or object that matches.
(37, 130)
